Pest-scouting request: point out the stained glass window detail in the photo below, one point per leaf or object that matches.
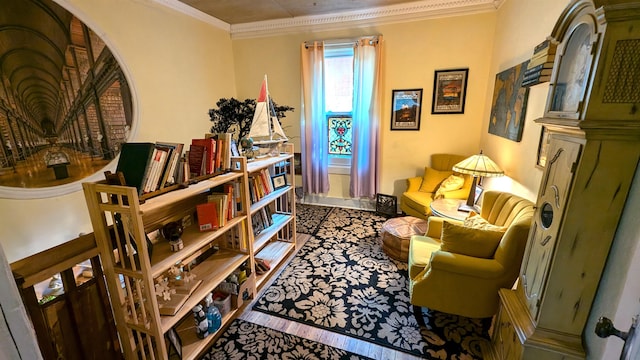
(340, 135)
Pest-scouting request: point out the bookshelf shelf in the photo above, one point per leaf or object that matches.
(211, 257)
(277, 238)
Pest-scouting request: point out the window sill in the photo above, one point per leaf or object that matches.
(339, 169)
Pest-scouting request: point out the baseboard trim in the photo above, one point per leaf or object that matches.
(361, 204)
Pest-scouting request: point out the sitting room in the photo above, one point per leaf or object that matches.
(560, 195)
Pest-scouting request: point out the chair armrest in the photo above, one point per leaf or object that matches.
(466, 265)
(434, 226)
(457, 194)
(413, 184)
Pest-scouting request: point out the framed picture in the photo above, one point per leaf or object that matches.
(406, 106)
(542, 147)
(476, 196)
(174, 344)
(279, 181)
(509, 103)
(449, 91)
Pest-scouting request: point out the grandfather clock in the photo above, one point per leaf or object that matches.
(593, 117)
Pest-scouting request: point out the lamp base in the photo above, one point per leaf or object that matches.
(466, 208)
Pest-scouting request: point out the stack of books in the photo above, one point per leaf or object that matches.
(541, 64)
(150, 166)
(210, 155)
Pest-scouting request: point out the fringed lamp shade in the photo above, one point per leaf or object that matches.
(476, 165)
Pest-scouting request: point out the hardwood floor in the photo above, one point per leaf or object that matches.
(316, 334)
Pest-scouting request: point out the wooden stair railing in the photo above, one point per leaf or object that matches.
(77, 324)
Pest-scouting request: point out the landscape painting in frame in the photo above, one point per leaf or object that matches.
(65, 104)
(406, 106)
(449, 91)
(509, 103)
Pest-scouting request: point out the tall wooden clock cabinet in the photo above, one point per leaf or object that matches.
(593, 117)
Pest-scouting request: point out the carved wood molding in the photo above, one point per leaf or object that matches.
(412, 11)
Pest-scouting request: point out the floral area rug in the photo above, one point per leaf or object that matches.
(341, 281)
(309, 217)
(246, 340)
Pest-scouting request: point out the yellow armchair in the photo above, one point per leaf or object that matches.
(457, 283)
(416, 200)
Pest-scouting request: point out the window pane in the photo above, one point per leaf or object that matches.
(338, 83)
(339, 135)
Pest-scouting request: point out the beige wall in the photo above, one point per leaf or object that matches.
(178, 68)
(412, 52)
(521, 26)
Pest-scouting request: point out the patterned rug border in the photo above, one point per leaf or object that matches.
(265, 333)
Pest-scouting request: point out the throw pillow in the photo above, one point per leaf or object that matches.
(453, 182)
(468, 241)
(432, 178)
(478, 222)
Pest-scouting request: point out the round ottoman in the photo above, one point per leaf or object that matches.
(396, 234)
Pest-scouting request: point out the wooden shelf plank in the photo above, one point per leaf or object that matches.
(269, 198)
(192, 239)
(212, 272)
(275, 253)
(279, 220)
(263, 163)
(157, 203)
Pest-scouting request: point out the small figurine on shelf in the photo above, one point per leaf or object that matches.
(200, 318)
(172, 232)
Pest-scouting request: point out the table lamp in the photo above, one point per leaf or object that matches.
(476, 166)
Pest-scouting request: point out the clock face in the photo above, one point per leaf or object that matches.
(573, 71)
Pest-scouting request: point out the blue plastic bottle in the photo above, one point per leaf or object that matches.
(214, 318)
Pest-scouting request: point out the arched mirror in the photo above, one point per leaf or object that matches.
(65, 103)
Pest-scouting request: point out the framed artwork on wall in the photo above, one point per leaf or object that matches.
(509, 103)
(406, 106)
(71, 125)
(449, 91)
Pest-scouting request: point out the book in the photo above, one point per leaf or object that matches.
(196, 160)
(536, 80)
(210, 147)
(221, 202)
(547, 47)
(543, 66)
(207, 216)
(169, 175)
(535, 61)
(134, 162)
(538, 72)
(164, 152)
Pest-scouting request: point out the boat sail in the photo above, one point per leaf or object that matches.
(265, 127)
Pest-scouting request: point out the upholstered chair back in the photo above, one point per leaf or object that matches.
(444, 162)
(514, 213)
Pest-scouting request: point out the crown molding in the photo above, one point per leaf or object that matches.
(412, 11)
(195, 13)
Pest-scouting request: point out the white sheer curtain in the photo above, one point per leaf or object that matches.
(367, 105)
(315, 149)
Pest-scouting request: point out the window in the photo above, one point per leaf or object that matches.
(338, 98)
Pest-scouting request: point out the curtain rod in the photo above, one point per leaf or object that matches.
(342, 42)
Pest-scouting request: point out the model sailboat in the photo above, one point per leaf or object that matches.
(265, 127)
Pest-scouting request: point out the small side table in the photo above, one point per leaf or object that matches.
(448, 208)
